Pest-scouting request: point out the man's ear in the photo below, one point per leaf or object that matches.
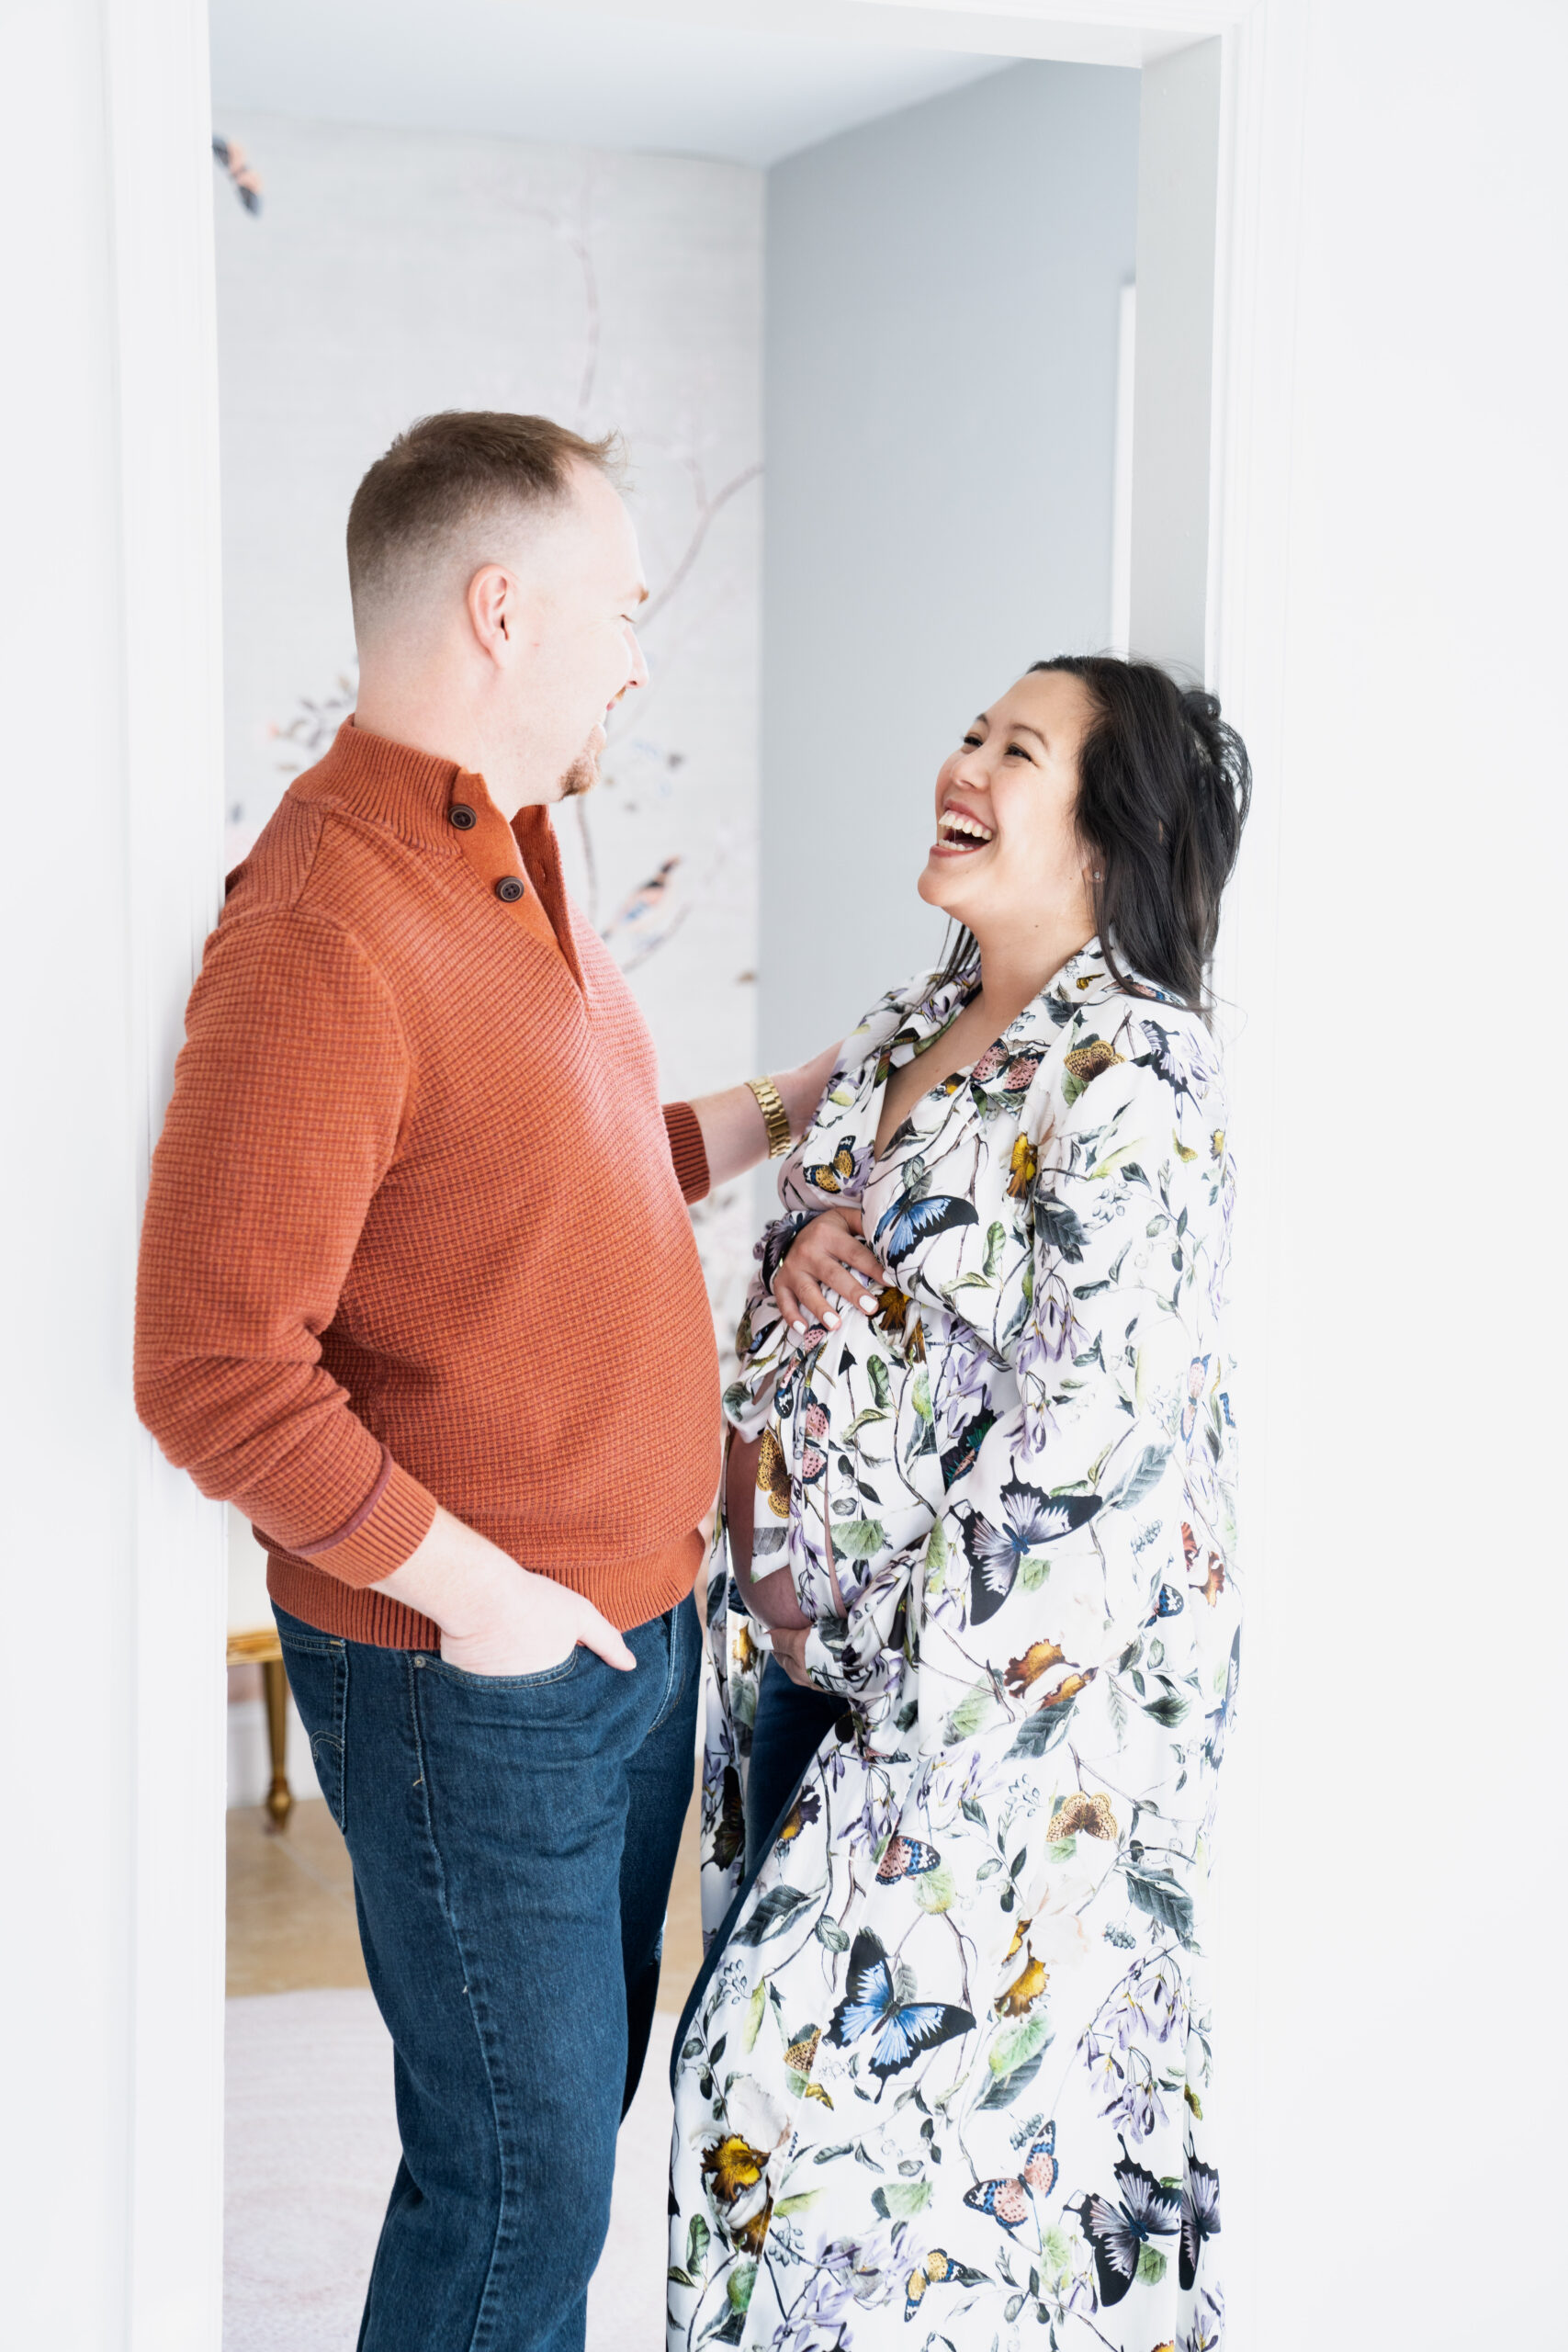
(492, 608)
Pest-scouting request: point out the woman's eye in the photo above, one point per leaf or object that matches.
(971, 742)
(1017, 751)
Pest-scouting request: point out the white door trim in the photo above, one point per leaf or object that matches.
(157, 88)
(1263, 102)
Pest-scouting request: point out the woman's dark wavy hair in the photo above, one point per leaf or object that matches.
(1164, 788)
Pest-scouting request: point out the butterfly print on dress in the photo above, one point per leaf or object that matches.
(1200, 2215)
(835, 1175)
(964, 1449)
(906, 1857)
(1166, 1064)
(1118, 2233)
(916, 1215)
(1010, 2200)
(899, 2030)
(938, 2268)
(1033, 1519)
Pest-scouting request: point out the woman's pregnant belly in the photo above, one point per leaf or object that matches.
(771, 1597)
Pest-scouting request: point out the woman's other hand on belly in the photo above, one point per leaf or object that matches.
(773, 1600)
(789, 1648)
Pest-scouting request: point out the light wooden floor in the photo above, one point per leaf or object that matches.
(291, 1924)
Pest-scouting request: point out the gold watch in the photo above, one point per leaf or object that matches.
(775, 1118)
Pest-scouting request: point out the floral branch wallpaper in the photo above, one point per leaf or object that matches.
(393, 273)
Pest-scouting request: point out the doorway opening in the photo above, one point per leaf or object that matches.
(866, 316)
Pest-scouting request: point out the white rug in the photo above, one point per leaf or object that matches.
(312, 2145)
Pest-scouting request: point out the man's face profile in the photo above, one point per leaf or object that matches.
(576, 647)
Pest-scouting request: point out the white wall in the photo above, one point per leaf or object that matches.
(1178, 152)
(390, 273)
(1391, 635)
(943, 294)
(111, 1962)
(249, 1764)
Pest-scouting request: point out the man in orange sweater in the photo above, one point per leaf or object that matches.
(413, 1198)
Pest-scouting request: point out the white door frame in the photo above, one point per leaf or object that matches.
(159, 98)
(109, 668)
(160, 2204)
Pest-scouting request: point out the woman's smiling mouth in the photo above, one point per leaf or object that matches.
(959, 834)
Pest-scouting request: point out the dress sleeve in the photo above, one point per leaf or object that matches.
(1121, 1202)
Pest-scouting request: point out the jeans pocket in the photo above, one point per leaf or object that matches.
(317, 1666)
(561, 1671)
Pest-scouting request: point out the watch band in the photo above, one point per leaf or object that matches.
(775, 1118)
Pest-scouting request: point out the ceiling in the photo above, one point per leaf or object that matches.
(585, 75)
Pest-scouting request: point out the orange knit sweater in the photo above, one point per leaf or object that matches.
(416, 1230)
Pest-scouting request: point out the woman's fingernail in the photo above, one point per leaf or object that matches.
(831, 1320)
(868, 1306)
(797, 1324)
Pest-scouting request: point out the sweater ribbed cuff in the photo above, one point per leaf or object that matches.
(390, 1525)
(687, 1150)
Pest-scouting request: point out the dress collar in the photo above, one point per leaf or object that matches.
(1084, 980)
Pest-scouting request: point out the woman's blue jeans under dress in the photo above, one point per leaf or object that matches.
(513, 1839)
(791, 1726)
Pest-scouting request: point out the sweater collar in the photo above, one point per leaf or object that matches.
(409, 792)
(414, 794)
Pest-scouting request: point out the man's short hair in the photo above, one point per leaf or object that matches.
(447, 473)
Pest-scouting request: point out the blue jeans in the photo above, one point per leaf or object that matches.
(513, 1839)
(790, 1726)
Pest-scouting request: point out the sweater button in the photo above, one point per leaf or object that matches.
(462, 816)
(509, 889)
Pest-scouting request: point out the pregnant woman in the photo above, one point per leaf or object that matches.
(944, 2077)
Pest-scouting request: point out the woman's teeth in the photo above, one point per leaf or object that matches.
(961, 830)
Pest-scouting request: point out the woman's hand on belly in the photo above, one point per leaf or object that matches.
(827, 1255)
(772, 1599)
(789, 1648)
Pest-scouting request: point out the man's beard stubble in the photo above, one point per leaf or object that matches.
(582, 775)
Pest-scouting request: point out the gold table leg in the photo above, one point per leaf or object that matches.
(263, 1648)
(279, 1797)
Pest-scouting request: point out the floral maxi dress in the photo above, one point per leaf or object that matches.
(947, 2084)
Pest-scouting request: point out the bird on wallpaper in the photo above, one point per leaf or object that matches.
(637, 924)
(242, 177)
(645, 901)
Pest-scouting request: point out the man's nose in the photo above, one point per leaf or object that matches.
(639, 666)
